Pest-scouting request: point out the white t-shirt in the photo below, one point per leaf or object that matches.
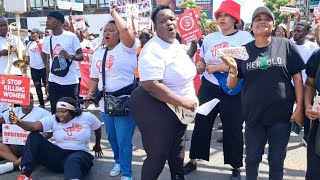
(86, 43)
(70, 43)
(35, 115)
(217, 40)
(34, 53)
(13, 56)
(306, 51)
(74, 135)
(170, 63)
(121, 63)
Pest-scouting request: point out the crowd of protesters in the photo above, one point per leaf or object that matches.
(135, 77)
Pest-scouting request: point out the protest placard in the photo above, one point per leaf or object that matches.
(132, 10)
(79, 25)
(316, 11)
(197, 12)
(288, 9)
(85, 71)
(188, 27)
(144, 23)
(15, 89)
(13, 134)
(70, 5)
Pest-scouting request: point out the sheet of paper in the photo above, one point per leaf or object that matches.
(206, 108)
(316, 104)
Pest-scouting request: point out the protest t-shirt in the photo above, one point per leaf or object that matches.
(170, 63)
(34, 53)
(313, 64)
(70, 43)
(121, 63)
(305, 51)
(267, 93)
(75, 134)
(217, 40)
(36, 114)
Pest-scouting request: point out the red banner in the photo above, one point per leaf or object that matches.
(85, 71)
(197, 79)
(15, 89)
(197, 12)
(188, 27)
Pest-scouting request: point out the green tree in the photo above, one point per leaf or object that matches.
(274, 6)
(192, 4)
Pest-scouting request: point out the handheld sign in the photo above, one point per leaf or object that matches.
(70, 5)
(132, 10)
(85, 71)
(288, 9)
(197, 12)
(13, 134)
(15, 89)
(188, 27)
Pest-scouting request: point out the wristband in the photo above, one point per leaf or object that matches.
(233, 75)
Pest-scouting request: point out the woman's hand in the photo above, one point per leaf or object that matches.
(229, 61)
(211, 68)
(189, 104)
(13, 118)
(98, 150)
(298, 117)
(312, 115)
(200, 67)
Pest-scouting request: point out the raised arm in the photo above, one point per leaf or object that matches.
(232, 80)
(126, 33)
(26, 125)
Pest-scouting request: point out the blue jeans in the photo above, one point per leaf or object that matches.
(120, 130)
(277, 136)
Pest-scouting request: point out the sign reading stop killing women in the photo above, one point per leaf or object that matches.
(15, 89)
(188, 27)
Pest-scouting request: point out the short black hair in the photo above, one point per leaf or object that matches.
(144, 36)
(275, 29)
(304, 24)
(73, 102)
(93, 35)
(156, 11)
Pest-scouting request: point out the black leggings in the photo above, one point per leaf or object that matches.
(313, 160)
(74, 164)
(229, 108)
(162, 135)
(37, 76)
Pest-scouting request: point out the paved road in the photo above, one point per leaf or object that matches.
(295, 163)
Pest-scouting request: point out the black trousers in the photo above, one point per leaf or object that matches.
(162, 135)
(313, 160)
(57, 91)
(229, 108)
(37, 76)
(74, 164)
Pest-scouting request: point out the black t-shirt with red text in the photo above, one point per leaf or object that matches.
(268, 94)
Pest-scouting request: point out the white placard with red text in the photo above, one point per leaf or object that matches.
(188, 27)
(316, 104)
(288, 9)
(132, 10)
(13, 134)
(14, 89)
(79, 25)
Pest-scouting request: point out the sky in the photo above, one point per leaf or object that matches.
(247, 7)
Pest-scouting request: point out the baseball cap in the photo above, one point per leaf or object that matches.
(58, 15)
(262, 9)
(35, 30)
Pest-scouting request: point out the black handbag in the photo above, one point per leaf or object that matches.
(60, 65)
(114, 104)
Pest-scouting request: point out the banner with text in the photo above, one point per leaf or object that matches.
(15, 89)
(13, 134)
(288, 9)
(188, 27)
(85, 71)
(75, 6)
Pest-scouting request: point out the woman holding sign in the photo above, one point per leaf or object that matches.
(214, 86)
(166, 75)
(268, 95)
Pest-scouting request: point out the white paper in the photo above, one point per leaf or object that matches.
(206, 108)
(316, 104)
(13, 134)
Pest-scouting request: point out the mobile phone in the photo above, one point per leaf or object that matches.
(295, 128)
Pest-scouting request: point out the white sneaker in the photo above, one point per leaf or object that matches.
(115, 171)
(7, 167)
(126, 178)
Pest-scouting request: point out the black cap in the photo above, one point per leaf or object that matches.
(58, 15)
(35, 30)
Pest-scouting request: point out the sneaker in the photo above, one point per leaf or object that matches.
(235, 175)
(24, 177)
(126, 178)
(115, 171)
(305, 141)
(189, 167)
(220, 127)
(7, 167)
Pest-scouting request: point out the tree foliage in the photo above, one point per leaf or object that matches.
(274, 6)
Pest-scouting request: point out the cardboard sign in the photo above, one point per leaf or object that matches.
(15, 89)
(85, 71)
(316, 11)
(13, 134)
(70, 5)
(188, 27)
(288, 9)
(144, 23)
(132, 10)
(79, 25)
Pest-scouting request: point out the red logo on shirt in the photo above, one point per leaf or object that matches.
(110, 62)
(57, 50)
(75, 127)
(213, 49)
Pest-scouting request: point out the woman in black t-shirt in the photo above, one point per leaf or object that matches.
(267, 94)
(312, 84)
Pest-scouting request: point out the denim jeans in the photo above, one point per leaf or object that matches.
(277, 136)
(120, 130)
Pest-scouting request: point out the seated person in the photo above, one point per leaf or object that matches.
(12, 153)
(71, 129)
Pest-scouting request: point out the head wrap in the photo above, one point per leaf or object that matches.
(65, 105)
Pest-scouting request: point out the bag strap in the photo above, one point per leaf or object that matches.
(51, 51)
(25, 115)
(104, 71)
